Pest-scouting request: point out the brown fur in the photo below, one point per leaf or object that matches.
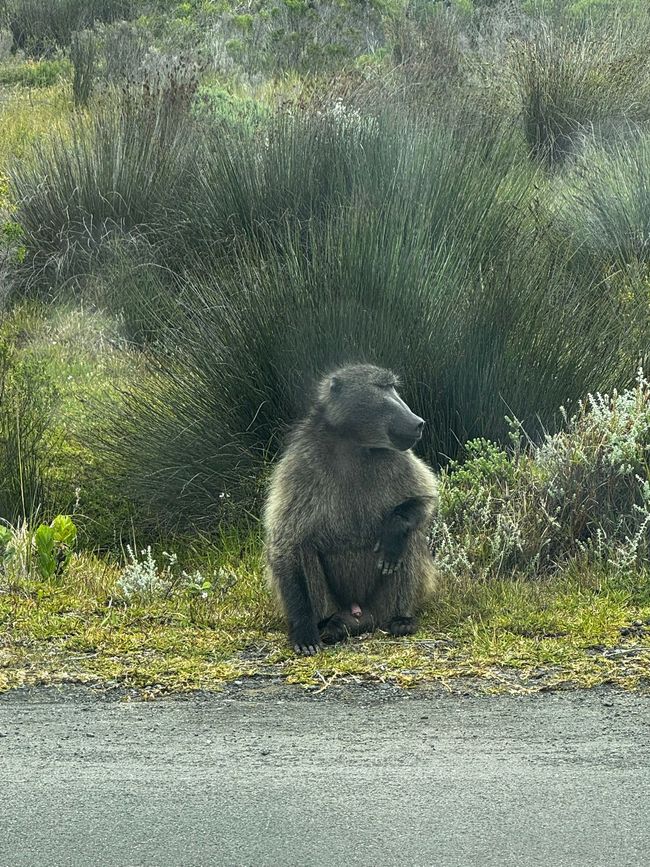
(334, 489)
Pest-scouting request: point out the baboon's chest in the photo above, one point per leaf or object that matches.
(352, 514)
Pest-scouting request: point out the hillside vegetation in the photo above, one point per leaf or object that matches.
(204, 205)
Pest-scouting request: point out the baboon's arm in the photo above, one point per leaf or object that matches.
(294, 578)
(396, 527)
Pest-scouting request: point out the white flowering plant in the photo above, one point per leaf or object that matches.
(145, 579)
(583, 492)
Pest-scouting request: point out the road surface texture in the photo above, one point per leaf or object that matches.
(270, 776)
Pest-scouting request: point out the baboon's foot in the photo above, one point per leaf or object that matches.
(403, 626)
(305, 639)
(339, 628)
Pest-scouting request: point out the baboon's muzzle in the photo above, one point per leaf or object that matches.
(405, 435)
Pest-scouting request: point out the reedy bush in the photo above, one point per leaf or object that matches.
(40, 27)
(575, 77)
(109, 173)
(26, 401)
(605, 201)
(442, 274)
(83, 54)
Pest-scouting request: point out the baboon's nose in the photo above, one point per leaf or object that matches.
(419, 426)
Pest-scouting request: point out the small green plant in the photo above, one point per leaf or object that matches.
(43, 552)
(54, 544)
(5, 537)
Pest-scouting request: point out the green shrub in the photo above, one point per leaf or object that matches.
(124, 46)
(274, 38)
(41, 73)
(441, 275)
(584, 492)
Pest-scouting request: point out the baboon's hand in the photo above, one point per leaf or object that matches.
(306, 640)
(391, 545)
(391, 554)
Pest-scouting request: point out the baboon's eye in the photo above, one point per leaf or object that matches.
(336, 385)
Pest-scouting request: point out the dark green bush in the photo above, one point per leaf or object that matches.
(118, 170)
(40, 27)
(440, 274)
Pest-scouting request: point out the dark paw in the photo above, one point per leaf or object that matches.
(335, 630)
(403, 626)
(389, 567)
(306, 640)
(390, 557)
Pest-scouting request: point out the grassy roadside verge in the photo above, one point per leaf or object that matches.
(575, 630)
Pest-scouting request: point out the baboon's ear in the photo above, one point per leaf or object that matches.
(335, 385)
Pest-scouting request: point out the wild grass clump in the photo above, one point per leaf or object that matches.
(606, 198)
(26, 400)
(118, 169)
(83, 54)
(40, 27)
(576, 78)
(582, 493)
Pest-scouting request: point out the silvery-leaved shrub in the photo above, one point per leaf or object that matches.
(143, 579)
(584, 492)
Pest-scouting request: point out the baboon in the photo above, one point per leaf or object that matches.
(347, 511)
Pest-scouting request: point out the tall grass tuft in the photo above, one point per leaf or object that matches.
(26, 401)
(108, 174)
(40, 27)
(609, 192)
(577, 78)
(441, 273)
(83, 54)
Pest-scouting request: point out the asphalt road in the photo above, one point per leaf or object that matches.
(271, 777)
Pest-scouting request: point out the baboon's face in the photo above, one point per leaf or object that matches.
(361, 402)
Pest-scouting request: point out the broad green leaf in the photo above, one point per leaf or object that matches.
(65, 531)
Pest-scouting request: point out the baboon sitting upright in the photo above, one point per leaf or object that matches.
(346, 516)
